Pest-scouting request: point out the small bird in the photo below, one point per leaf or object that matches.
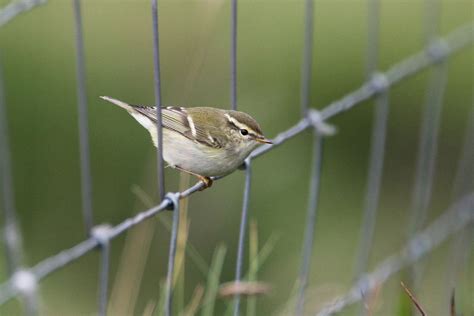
(202, 141)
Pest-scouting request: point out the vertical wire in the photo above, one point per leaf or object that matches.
(464, 180)
(233, 55)
(171, 260)
(104, 277)
(311, 218)
(432, 11)
(307, 63)
(373, 33)
(12, 236)
(233, 100)
(374, 181)
(427, 149)
(306, 73)
(461, 246)
(242, 232)
(233, 97)
(427, 152)
(378, 138)
(157, 79)
(86, 179)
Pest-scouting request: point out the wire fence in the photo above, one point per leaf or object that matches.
(24, 281)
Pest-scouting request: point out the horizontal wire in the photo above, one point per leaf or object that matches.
(451, 221)
(451, 44)
(13, 9)
(440, 50)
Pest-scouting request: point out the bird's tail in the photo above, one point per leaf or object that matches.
(119, 103)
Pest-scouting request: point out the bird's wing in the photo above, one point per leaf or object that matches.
(178, 120)
(173, 118)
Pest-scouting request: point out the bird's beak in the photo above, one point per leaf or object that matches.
(263, 140)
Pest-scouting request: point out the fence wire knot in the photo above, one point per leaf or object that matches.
(379, 82)
(101, 233)
(364, 284)
(24, 281)
(438, 50)
(317, 121)
(173, 199)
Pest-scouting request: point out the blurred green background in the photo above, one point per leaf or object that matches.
(38, 60)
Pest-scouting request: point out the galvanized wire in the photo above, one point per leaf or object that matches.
(233, 54)
(457, 217)
(464, 179)
(439, 50)
(11, 232)
(157, 86)
(14, 8)
(453, 43)
(305, 93)
(431, 20)
(374, 181)
(427, 149)
(373, 30)
(461, 246)
(100, 233)
(104, 278)
(307, 251)
(307, 62)
(242, 232)
(65, 257)
(83, 120)
(174, 198)
(379, 131)
(431, 121)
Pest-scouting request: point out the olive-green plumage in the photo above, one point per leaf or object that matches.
(203, 141)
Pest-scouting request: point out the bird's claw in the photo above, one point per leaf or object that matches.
(207, 182)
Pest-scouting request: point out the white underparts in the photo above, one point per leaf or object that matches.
(143, 120)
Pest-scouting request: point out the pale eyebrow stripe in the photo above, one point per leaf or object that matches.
(240, 125)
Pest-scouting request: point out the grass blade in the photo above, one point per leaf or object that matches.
(213, 281)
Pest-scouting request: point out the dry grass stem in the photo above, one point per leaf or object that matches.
(244, 288)
(149, 308)
(413, 299)
(373, 299)
(193, 306)
(130, 270)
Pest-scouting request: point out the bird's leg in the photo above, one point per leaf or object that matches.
(206, 180)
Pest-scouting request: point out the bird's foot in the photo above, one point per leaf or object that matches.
(207, 182)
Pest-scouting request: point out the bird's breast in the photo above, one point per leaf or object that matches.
(182, 152)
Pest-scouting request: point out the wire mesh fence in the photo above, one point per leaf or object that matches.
(24, 281)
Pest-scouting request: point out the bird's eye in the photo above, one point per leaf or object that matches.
(244, 132)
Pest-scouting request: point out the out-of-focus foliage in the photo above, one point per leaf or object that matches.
(38, 60)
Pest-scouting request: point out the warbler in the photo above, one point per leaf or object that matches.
(202, 141)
